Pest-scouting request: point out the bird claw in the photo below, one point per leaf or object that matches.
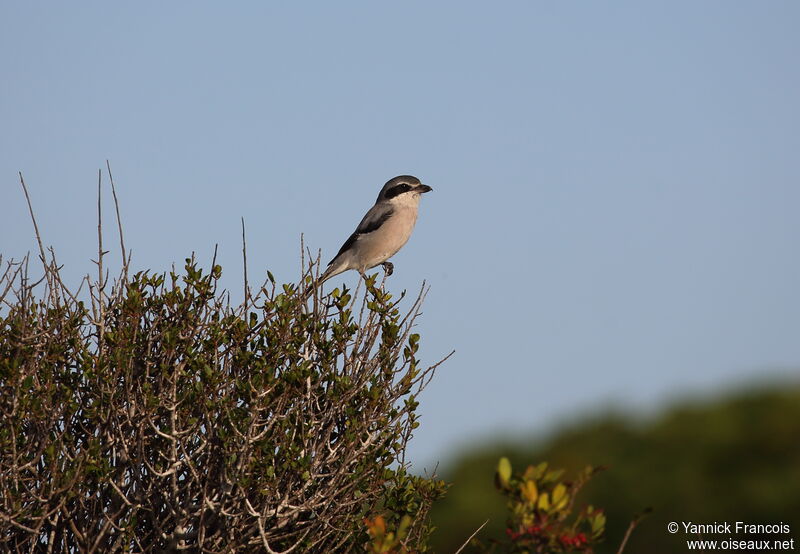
(389, 267)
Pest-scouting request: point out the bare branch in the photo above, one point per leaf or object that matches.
(472, 536)
(244, 264)
(634, 522)
(42, 255)
(125, 260)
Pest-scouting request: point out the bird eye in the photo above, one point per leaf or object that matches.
(398, 189)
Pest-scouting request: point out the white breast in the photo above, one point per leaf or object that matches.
(383, 243)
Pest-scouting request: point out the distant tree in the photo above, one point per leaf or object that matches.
(732, 458)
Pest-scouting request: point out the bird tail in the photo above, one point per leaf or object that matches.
(331, 271)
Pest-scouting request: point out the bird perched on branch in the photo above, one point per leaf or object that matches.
(383, 231)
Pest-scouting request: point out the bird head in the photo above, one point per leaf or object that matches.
(402, 188)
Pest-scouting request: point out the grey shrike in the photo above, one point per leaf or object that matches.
(386, 227)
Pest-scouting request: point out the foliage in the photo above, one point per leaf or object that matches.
(732, 458)
(156, 416)
(382, 539)
(541, 507)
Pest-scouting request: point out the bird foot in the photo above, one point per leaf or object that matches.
(389, 267)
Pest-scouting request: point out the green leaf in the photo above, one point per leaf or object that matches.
(503, 474)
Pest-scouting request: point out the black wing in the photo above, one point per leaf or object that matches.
(347, 244)
(376, 217)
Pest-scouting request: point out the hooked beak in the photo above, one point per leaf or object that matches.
(423, 188)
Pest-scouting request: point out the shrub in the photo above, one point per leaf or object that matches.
(542, 516)
(153, 415)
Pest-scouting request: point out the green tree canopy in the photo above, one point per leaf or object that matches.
(731, 459)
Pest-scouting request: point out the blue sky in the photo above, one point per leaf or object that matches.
(614, 219)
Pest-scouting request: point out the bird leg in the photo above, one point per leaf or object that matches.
(389, 267)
